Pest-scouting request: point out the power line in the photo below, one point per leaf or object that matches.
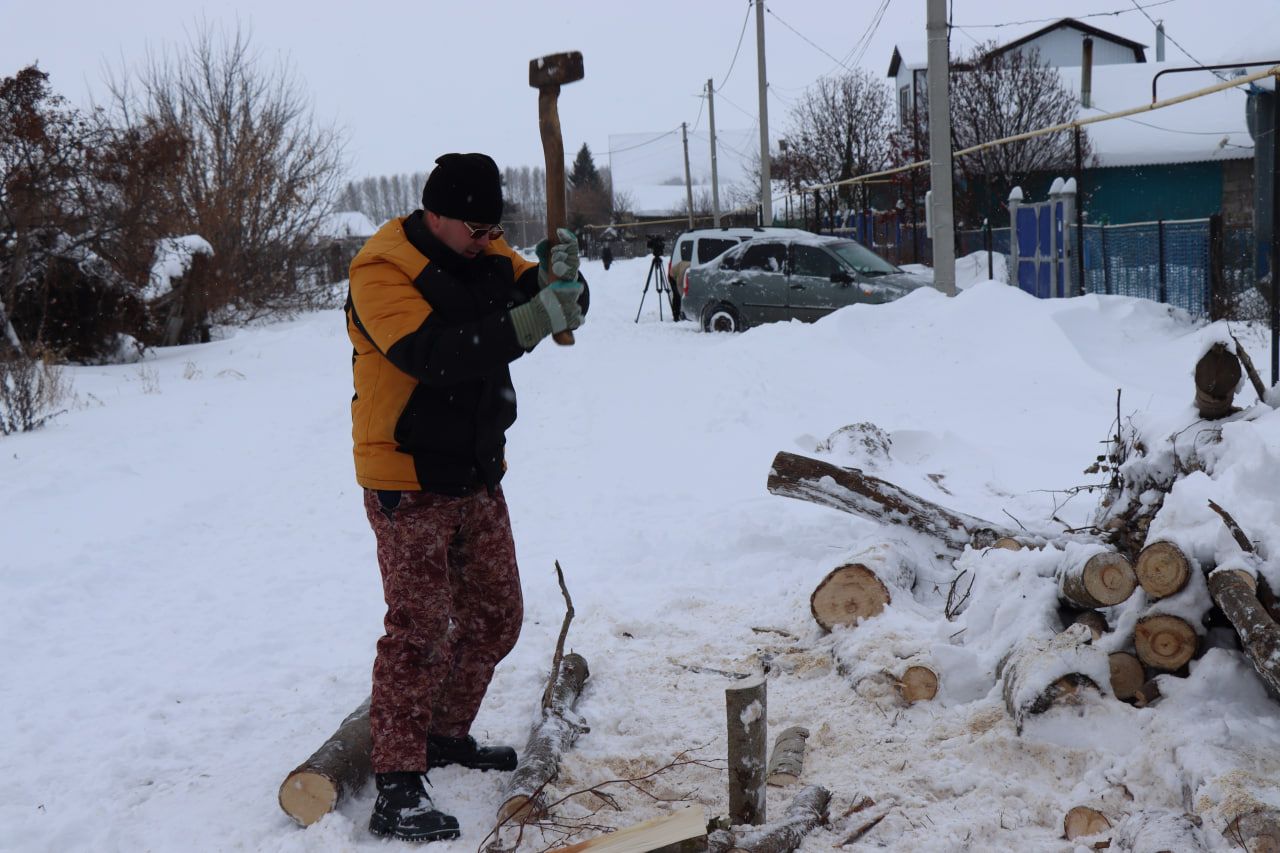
(1172, 39)
(1077, 17)
(642, 144)
(746, 18)
(861, 45)
(807, 41)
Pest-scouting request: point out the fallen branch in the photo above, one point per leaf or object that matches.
(1243, 354)
(850, 490)
(805, 813)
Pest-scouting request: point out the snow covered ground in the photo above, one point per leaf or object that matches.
(189, 600)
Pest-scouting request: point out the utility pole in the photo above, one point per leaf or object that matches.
(942, 220)
(766, 190)
(688, 181)
(715, 180)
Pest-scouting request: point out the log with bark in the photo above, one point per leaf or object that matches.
(1091, 619)
(746, 712)
(555, 731)
(1165, 642)
(1235, 593)
(1158, 832)
(1096, 579)
(1217, 376)
(787, 761)
(1083, 821)
(337, 769)
(1162, 569)
(1034, 678)
(851, 490)
(861, 587)
(1127, 674)
(806, 812)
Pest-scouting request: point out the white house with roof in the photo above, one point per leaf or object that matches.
(1188, 160)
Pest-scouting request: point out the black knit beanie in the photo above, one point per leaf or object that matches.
(465, 186)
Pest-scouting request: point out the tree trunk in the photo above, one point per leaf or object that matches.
(1235, 593)
(746, 709)
(338, 768)
(1217, 375)
(1127, 674)
(1158, 832)
(1083, 821)
(1162, 569)
(555, 732)
(806, 812)
(1102, 579)
(1033, 676)
(850, 490)
(787, 762)
(1165, 642)
(1257, 832)
(860, 588)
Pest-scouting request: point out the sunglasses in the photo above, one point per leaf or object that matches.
(477, 231)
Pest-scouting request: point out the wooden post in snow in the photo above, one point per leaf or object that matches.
(746, 709)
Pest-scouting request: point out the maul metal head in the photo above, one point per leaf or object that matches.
(555, 69)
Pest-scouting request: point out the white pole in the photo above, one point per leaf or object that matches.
(715, 180)
(766, 190)
(942, 227)
(688, 181)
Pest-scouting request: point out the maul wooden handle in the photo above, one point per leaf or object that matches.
(553, 153)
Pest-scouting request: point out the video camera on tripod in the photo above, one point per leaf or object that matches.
(657, 246)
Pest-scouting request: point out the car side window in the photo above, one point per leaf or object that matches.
(812, 261)
(764, 256)
(709, 247)
(686, 250)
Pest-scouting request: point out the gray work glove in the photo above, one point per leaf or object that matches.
(554, 309)
(558, 262)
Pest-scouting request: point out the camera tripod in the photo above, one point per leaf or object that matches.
(659, 278)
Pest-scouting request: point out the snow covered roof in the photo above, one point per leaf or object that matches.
(346, 223)
(1210, 128)
(1138, 48)
(912, 55)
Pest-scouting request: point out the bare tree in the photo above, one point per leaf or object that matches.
(257, 179)
(1004, 94)
(81, 205)
(840, 128)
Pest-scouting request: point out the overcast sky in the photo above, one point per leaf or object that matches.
(407, 82)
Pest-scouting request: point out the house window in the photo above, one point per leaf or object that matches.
(904, 106)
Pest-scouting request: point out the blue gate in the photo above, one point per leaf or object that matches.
(1042, 244)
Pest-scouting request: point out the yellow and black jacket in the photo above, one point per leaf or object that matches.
(432, 337)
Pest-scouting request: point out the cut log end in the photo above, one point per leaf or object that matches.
(918, 684)
(306, 796)
(519, 809)
(1165, 642)
(1127, 675)
(847, 595)
(1082, 821)
(1109, 578)
(1007, 543)
(1162, 569)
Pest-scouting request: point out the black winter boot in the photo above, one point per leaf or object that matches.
(404, 810)
(443, 751)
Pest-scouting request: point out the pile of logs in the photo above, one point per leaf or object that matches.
(1131, 607)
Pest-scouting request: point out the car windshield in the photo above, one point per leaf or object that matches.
(863, 260)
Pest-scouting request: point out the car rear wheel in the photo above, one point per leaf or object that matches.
(722, 318)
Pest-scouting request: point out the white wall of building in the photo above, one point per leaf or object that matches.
(1062, 48)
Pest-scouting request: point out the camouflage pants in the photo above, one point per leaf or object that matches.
(454, 610)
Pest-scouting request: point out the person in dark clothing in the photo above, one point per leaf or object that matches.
(439, 307)
(606, 255)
